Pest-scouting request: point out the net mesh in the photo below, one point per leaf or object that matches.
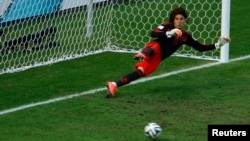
(38, 32)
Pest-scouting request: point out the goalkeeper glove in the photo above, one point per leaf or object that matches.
(174, 32)
(139, 57)
(144, 54)
(222, 41)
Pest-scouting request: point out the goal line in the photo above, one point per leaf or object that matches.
(93, 91)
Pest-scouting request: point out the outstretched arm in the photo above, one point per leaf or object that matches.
(206, 47)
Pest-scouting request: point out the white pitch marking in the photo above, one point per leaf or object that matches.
(15, 109)
(50, 101)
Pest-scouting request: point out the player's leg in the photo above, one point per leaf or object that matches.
(143, 68)
(112, 86)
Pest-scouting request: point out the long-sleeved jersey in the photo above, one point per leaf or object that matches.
(169, 45)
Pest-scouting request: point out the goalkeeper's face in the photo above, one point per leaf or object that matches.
(179, 21)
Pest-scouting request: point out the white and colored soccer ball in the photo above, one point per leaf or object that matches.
(152, 130)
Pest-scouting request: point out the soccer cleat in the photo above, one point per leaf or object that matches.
(111, 90)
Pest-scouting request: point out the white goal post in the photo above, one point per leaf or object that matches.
(225, 29)
(40, 32)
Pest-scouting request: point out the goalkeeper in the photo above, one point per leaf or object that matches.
(169, 37)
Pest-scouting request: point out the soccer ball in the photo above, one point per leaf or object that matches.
(152, 130)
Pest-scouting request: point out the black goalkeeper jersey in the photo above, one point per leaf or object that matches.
(170, 45)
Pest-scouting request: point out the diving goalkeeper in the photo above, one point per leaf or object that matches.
(169, 37)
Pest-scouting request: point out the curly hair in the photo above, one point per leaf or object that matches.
(176, 11)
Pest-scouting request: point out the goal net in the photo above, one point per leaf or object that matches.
(41, 32)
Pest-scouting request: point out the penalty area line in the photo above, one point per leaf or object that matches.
(31, 105)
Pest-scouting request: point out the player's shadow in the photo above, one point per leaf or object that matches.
(175, 92)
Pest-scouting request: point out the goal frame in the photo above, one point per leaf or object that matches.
(225, 29)
(88, 31)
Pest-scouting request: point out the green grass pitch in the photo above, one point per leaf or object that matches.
(183, 104)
